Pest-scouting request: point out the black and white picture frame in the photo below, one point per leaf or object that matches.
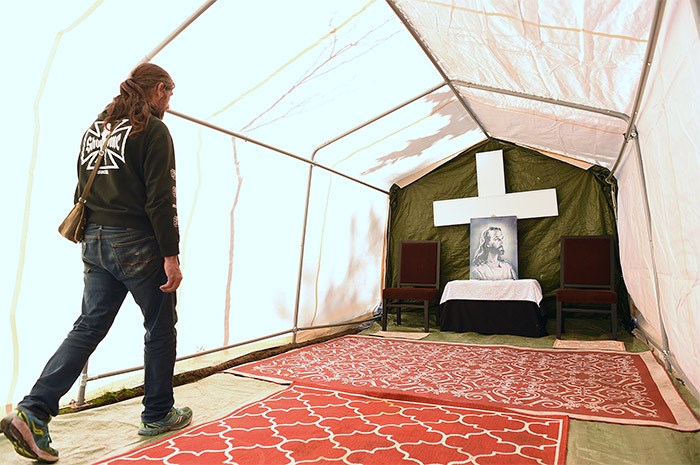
(493, 248)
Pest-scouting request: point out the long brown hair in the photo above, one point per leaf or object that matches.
(133, 101)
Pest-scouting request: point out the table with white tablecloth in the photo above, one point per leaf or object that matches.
(493, 307)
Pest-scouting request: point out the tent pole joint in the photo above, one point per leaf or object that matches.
(666, 353)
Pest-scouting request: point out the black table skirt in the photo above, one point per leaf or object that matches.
(514, 317)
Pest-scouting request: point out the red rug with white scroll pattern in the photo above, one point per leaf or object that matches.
(308, 425)
(616, 387)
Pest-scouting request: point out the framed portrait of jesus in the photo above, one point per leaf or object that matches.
(493, 245)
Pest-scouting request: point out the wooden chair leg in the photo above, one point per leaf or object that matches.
(398, 315)
(385, 314)
(560, 320)
(613, 316)
(426, 316)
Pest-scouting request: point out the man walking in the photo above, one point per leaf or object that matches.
(131, 245)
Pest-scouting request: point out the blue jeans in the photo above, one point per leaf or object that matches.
(116, 261)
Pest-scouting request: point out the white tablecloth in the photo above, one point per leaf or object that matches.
(507, 289)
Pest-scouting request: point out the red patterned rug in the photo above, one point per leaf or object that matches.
(315, 426)
(626, 388)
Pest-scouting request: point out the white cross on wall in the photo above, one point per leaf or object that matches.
(492, 199)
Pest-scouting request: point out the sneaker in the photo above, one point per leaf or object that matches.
(175, 419)
(29, 436)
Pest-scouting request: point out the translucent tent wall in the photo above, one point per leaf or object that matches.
(660, 238)
(293, 120)
(284, 164)
(610, 83)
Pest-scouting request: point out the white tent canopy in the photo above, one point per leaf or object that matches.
(292, 120)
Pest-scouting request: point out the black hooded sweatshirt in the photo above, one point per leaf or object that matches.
(135, 184)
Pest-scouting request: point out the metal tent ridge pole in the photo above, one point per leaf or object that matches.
(556, 102)
(149, 56)
(437, 66)
(376, 118)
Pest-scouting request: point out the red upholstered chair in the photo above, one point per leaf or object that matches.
(587, 277)
(419, 280)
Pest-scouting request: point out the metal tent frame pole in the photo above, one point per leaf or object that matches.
(651, 48)
(312, 164)
(631, 134)
(437, 66)
(650, 232)
(309, 181)
(561, 103)
(149, 56)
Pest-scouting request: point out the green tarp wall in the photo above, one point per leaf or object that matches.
(583, 196)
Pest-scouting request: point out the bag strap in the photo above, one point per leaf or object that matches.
(98, 162)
